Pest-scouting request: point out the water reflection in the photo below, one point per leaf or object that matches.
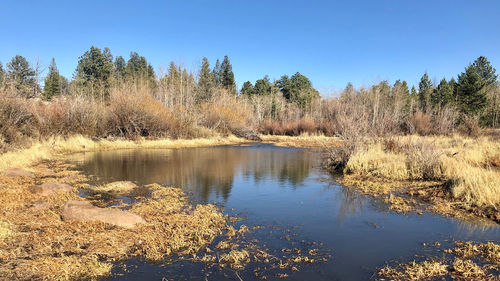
(203, 171)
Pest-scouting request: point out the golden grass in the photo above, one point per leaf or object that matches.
(457, 263)
(37, 244)
(304, 140)
(415, 271)
(55, 147)
(468, 164)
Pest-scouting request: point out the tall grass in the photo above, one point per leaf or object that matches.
(466, 163)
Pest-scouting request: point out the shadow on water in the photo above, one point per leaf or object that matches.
(285, 187)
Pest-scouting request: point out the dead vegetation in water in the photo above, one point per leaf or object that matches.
(36, 244)
(467, 261)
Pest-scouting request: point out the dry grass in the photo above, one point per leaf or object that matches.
(468, 261)
(37, 244)
(304, 140)
(57, 146)
(415, 271)
(465, 164)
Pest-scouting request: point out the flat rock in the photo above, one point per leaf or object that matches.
(84, 211)
(49, 188)
(18, 172)
(117, 187)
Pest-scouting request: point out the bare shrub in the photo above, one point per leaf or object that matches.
(421, 123)
(17, 121)
(445, 120)
(73, 115)
(134, 115)
(470, 126)
(423, 160)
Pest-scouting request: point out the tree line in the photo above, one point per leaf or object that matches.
(474, 92)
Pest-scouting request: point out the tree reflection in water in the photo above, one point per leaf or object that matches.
(202, 171)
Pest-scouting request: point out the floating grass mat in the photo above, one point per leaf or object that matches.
(36, 244)
(465, 261)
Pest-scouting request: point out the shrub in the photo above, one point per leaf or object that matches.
(74, 115)
(17, 121)
(421, 123)
(423, 160)
(134, 115)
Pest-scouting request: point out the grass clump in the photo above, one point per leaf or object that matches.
(467, 261)
(452, 169)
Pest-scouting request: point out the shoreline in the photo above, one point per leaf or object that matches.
(59, 146)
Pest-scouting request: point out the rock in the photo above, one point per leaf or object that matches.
(84, 211)
(49, 188)
(117, 187)
(17, 172)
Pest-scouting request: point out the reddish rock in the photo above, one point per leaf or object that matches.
(84, 211)
(17, 172)
(49, 188)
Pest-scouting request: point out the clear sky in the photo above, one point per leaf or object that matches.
(331, 42)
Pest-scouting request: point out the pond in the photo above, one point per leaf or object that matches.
(286, 190)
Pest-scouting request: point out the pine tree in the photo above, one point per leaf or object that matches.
(470, 95)
(263, 86)
(22, 76)
(247, 89)
(424, 91)
(120, 67)
(53, 83)
(205, 82)
(227, 76)
(442, 95)
(95, 66)
(297, 89)
(217, 74)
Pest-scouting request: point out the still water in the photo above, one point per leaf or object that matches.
(287, 190)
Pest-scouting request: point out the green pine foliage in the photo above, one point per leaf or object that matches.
(206, 82)
(22, 75)
(227, 76)
(247, 89)
(442, 94)
(53, 82)
(424, 91)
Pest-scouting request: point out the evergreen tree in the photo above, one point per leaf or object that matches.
(22, 76)
(120, 67)
(442, 95)
(217, 74)
(471, 96)
(453, 86)
(95, 67)
(138, 68)
(424, 91)
(263, 86)
(227, 76)
(297, 89)
(205, 82)
(485, 71)
(53, 83)
(247, 89)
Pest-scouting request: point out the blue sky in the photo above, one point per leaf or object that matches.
(331, 42)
